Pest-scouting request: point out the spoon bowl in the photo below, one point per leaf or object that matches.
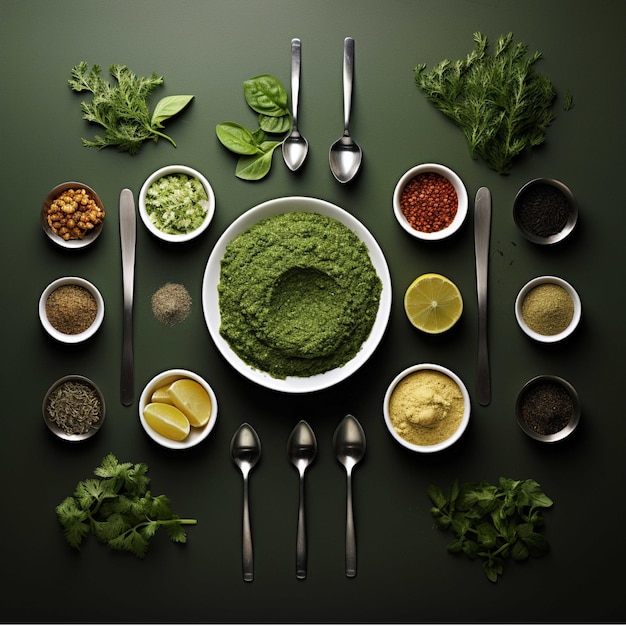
(345, 155)
(245, 450)
(301, 450)
(349, 446)
(295, 147)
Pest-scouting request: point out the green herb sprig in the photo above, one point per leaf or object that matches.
(493, 522)
(118, 509)
(267, 96)
(122, 109)
(500, 102)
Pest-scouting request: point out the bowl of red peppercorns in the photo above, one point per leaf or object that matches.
(430, 201)
(548, 408)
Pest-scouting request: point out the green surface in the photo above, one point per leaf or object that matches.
(405, 574)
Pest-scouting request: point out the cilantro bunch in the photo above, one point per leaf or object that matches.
(493, 522)
(118, 509)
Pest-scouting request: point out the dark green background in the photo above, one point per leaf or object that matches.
(405, 574)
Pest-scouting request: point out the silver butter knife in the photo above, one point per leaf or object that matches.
(482, 232)
(128, 235)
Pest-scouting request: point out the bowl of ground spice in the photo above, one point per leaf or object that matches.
(72, 215)
(548, 408)
(545, 211)
(548, 309)
(426, 408)
(71, 309)
(73, 408)
(430, 201)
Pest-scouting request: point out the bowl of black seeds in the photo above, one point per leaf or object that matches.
(548, 408)
(545, 211)
(73, 408)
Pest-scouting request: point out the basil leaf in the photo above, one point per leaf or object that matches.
(167, 107)
(257, 166)
(275, 125)
(266, 94)
(237, 138)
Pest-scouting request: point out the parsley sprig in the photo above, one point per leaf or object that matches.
(122, 108)
(493, 522)
(500, 102)
(118, 509)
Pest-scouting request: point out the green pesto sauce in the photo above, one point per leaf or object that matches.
(298, 294)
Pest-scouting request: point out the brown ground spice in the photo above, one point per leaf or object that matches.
(171, 304)
(71, 309)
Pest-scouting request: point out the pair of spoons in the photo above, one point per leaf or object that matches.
(345, 155)
(349, 446)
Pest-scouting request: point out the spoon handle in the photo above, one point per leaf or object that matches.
(295, 78)
(350, 534)
(348, 74)
(247, 554)
(301, 554)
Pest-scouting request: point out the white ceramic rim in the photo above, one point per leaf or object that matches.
(210, 301)
(459, 187)
(541, 280)
(165, 171)
(464, 420)
(59, 431)
(70, 244)
(51, 330)
(196, 435)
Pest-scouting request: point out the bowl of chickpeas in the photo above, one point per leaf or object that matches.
(72, 215)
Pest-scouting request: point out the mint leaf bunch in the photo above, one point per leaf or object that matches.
(118, 509)
(493, 522)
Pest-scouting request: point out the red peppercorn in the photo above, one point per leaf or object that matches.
(429, 202)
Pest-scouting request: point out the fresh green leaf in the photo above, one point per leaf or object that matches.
(275, 125)
(168, 107)
(237, 138)
(256, 167)
(266, 94)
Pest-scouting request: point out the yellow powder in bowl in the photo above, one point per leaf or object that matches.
(426, 407)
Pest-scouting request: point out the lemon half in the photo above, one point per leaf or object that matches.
(433, 303)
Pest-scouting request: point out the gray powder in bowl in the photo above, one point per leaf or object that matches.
(171, 304)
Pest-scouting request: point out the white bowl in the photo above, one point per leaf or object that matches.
(540, 280)
(210, 301)
(63, 337)
(169, 170)
(72, 244)
(196, 435)
(464, 420)
(461, 193)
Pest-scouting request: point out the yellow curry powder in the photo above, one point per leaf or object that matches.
(426, 407)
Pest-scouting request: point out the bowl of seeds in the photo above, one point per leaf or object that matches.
(72, 215)
(545, 211)
(548, 309)
(548, 408)
(74, 408)
(71, 309)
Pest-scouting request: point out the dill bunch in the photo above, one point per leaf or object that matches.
(500, 102)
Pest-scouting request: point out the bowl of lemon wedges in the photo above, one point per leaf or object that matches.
(178, 409)
(433, 303)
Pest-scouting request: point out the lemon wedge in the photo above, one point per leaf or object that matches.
(433, 303)
(192, 399)
(167, 420)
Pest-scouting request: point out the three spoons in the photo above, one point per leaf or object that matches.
(301, 450)
(245, 450)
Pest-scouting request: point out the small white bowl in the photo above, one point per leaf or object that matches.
(464, 420)
(166, 171)
(78, 337)
(461, 193)
(540, 280)
(196, 435)
(72, 244)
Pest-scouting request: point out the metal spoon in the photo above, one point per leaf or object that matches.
(295, 146)
(245, 449)
(301, 450)
(349, 445)
(345, 155)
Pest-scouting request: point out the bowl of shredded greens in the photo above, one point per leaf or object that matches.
(176, 203)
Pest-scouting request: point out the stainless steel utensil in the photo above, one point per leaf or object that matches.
(345, 155)
(349, 445)
(295, 146)
(245, 450)
(301, 450)
(128, 235)
(482, 231)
